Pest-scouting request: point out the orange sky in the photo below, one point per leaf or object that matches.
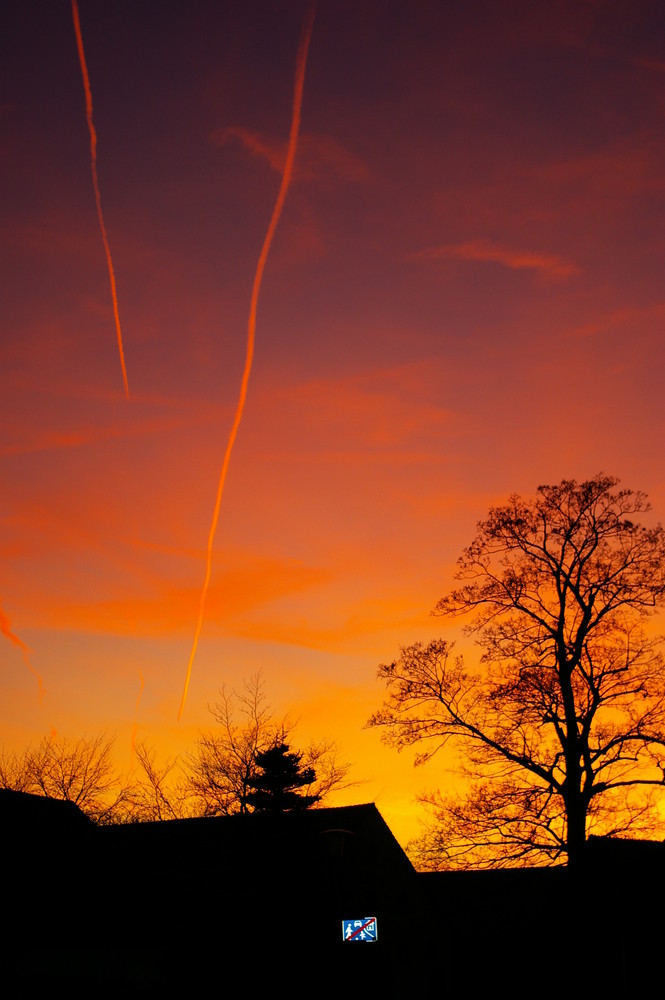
(464, 298)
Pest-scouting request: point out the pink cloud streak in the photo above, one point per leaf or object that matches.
(486, 250)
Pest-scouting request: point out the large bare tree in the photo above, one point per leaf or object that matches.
(561, 726)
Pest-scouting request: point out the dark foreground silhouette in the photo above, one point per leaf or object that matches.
(257, 902)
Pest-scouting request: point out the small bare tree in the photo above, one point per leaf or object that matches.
(160, 792)
(223, 766)
(13, 773)
(79, 771)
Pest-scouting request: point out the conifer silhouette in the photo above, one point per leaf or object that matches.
(276, 787)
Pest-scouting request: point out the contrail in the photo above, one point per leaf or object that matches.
(135, 725)
(5, 628)
(301, 63)
(95, 184)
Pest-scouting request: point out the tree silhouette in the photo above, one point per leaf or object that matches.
(213, 780)
(563, 722)
(276, 786)
(156, 791)
(221, 769)
(79, 771)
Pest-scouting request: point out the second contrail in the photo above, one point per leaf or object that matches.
(301, 63)
(95, 184)
(6, 630)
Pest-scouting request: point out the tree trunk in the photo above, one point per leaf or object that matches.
(576, 832)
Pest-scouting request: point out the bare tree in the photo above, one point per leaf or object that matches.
(224, 760)
(214, 780)
(223, 765)
(13, 773)
(562, 725)
(160, 791)
(331, 773)
(79, 771)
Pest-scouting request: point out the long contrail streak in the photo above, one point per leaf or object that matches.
(135, 724)
(5, 629)
(95, 184)
(301, 63)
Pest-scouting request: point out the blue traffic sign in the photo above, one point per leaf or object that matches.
(359, 930)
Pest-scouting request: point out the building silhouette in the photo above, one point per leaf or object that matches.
(257, 902)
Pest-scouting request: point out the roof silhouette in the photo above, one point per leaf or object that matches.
(182, 905)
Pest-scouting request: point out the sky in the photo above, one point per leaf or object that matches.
(463, 299)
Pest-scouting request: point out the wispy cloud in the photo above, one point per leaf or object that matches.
(35, 440)
(657, 65)
(641, 317)
(622, 170)
(240, 591)
(320, 157)
(335, 630)
(487, 251)
(368, 416)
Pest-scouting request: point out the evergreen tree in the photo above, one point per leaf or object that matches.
(276, 787)
(221, 769)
